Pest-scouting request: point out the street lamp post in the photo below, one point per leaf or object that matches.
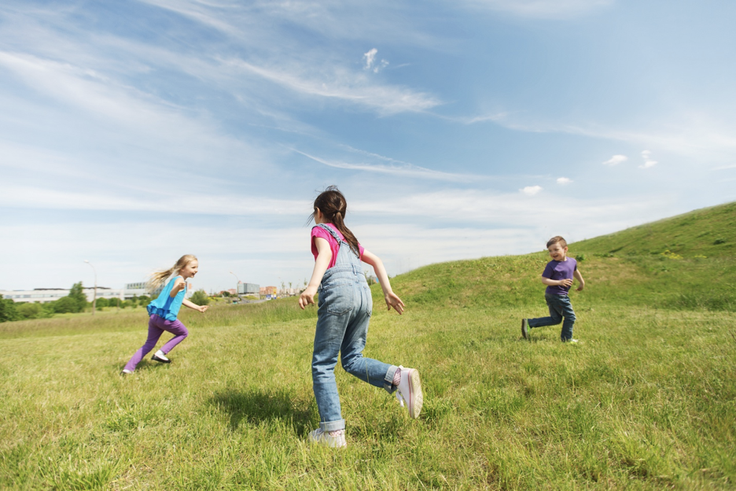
(94, 298)
(236, 285)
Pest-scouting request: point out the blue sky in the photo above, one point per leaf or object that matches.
(134, 132)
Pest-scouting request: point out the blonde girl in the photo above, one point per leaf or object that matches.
(164, 310)
(345, 306)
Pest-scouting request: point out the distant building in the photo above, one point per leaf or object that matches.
(268, 290)
(44, 295)
(248, 289)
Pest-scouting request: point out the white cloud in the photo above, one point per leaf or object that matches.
(370, 61)
(616, 159)
(370, 57)
(563, 180)
(648, 162)
(531, 190)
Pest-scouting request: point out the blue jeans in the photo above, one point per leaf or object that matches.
(559, 308)
(345, 306)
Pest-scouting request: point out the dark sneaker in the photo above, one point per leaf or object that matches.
(525, 328)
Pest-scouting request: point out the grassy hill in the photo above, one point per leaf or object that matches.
(644, 401)
(685, 262)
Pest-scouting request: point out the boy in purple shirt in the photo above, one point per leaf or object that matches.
(558, 276)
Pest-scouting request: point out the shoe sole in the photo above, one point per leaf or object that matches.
(524, 330)
(160, 360)
(416, 397)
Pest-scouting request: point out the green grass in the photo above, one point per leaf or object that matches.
(647, 400)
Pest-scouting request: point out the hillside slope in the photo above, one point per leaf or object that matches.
(684, 262)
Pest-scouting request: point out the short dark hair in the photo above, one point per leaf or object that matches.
(555, 240)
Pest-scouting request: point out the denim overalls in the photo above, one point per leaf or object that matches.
(345, 306)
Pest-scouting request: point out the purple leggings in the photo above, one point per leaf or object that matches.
(156, 327)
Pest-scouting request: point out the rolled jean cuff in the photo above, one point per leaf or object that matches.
(332, 425)
(388, 380)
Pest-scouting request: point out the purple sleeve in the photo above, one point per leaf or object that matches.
(548, 270)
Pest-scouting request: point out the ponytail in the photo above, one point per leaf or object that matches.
(158, 278)
(333, 206)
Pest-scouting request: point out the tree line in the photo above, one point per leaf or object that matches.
(74, 302)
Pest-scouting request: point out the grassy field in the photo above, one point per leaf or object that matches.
(646, 400)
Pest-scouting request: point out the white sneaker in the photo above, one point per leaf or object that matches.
(410, 391)
(126, 371)
(323, 437)
(160, 357)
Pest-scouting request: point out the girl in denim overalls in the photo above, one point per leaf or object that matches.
(345, 306)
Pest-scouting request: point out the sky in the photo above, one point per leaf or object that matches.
(134, 132)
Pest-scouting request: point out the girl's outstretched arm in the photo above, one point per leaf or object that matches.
(392, 300)
(201, 308)
(324, 255)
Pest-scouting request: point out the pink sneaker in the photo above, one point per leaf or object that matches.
(409, 391)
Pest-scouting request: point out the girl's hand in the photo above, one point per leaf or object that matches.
(393, 300)
(307, 297)
(203, 308)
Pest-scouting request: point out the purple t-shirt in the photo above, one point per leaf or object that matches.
(334, 246)
(559, 270)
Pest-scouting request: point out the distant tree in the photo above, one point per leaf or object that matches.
(144, 300)
(200, 298)
(78, 297)
(103, 302)
(225, 293)
(8, 311)
(66, 305)
(29, 310)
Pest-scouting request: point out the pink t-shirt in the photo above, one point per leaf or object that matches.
(334, 246)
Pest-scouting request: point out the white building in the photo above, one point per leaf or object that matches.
(43, 295)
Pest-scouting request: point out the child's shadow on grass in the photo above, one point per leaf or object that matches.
(257, 405)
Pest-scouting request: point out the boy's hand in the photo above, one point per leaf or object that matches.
(567, 283)
(392, 300)
(307, 297)
(582, 285)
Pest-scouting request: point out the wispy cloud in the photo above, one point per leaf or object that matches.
(406, 170)
(342, 84)
(616, 159)
(563, 180)
(551, 9)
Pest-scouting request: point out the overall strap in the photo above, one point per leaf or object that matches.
(331, 231)
(340, 241)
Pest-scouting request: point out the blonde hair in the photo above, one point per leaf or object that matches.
(157, 279)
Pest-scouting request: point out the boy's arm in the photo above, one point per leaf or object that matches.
(324, 255)
(550, 282)
(580, 279)
(392, 300)
(201, 308)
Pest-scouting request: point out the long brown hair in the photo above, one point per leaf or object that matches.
(333, 206)
(158, 278)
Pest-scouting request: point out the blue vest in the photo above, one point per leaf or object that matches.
(165, 306)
